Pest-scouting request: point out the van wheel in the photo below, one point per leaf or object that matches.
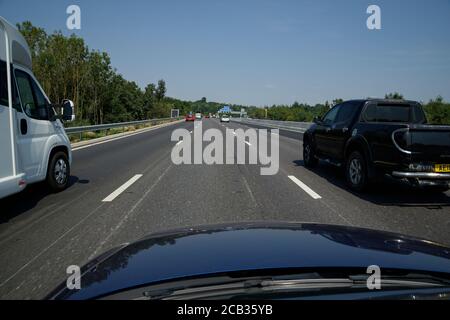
(58, 172)
(309, 157)
(356, 171)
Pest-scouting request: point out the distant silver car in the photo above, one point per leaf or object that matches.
(224, 118)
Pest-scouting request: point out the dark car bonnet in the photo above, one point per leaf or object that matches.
(254, 246)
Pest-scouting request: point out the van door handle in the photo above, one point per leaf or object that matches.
(23, 126)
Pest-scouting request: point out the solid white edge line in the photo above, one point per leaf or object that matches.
(105, 141)
(305, 188)
(118, 138)
(122, 188)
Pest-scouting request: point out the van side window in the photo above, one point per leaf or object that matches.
(40, 98)
(4, 89)
(33, 101)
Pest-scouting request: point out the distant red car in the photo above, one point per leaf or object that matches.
(190, 117)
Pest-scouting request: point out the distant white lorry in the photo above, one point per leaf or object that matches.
(33, 143)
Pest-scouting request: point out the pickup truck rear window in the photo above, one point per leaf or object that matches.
(400, 113)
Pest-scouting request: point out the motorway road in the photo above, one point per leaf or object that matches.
(41, 234)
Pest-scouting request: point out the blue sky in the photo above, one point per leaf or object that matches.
(267, 51)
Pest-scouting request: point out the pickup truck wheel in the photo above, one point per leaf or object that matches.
(309, 157)
(356, 171)
(58, 172)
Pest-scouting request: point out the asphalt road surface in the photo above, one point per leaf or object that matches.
(41, 234)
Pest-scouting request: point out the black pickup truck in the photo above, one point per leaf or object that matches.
(377, 137)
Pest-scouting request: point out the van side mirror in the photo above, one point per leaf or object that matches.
(317, 120)
(68, 110)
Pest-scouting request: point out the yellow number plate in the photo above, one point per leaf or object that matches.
(442, 168)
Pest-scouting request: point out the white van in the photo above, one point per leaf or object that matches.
(33, 144)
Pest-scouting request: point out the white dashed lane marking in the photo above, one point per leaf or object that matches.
(122, 188)
(305, 188)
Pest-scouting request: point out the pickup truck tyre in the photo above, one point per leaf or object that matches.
(309, 157)
(58, 172)
(356, 171)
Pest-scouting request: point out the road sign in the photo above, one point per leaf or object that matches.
(175, 113)
(225, 109)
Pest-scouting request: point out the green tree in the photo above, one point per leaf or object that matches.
(35, 37)
(160, 90)
(437, 111)
(394, 96)
(149, 98)
(337, 101)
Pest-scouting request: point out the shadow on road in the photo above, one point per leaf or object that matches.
(386, 193)
(19, 203)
